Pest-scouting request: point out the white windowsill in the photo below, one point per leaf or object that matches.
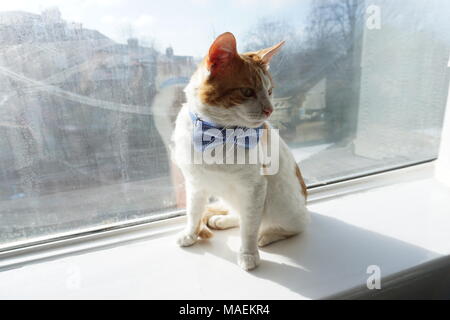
(397, 227)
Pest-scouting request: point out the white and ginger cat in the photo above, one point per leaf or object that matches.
(234, 90)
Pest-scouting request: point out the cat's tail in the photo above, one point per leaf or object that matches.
(203, 231)
(220, 218)
(213, 211)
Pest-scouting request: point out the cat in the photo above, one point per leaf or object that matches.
(230, 90)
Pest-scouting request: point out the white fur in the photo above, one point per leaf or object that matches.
(270, 208)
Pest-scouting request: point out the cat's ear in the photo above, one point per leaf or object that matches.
(267, 54)
(222, 52)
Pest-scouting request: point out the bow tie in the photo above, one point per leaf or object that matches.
(208, 135)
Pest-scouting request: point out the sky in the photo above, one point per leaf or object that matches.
(189, 26)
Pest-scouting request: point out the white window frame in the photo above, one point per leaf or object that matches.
(115, 234)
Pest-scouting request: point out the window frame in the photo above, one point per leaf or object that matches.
(119, 233)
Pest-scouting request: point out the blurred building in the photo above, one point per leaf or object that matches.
(76, 108)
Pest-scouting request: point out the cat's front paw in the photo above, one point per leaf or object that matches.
(248, 261)
(186, 240)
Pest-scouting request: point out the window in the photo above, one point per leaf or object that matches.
(89, 92)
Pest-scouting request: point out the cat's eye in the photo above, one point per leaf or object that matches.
(248, 92)
(270, 92)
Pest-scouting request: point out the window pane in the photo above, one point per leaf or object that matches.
(380, 91)
(90, 89)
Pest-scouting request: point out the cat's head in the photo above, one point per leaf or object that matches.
(234, 89)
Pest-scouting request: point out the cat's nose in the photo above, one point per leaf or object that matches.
(267, 112)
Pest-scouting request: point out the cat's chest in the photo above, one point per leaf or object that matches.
(224, 179)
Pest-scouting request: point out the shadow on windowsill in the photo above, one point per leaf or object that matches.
(330, 257)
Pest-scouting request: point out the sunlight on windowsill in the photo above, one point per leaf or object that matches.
(347, 235)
